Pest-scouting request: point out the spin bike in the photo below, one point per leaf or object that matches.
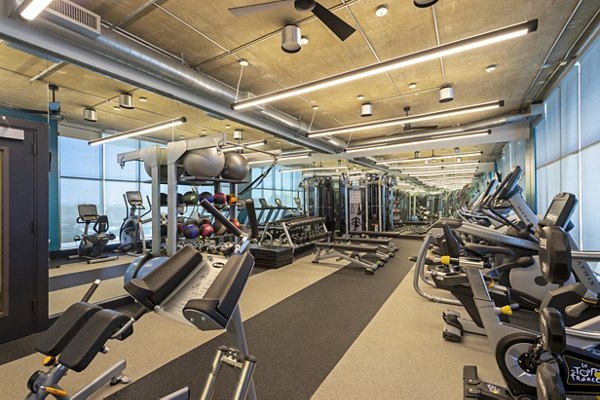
(91, 245)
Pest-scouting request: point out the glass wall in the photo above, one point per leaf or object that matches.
(91, 174)
(567, 143)
(282, 185)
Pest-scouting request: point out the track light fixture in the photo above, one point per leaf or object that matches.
(456, 47)
(406, 120)
(432, 158)
(410, 143)
(138, 132)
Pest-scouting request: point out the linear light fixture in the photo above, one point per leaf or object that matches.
(437, 174)
(138, 132)
(437, 167)
(406, 120)
(313, 169)
(32, 8)
(473, 42)
(280, 158)
(323, 174)
(432, 158)
(242, 146)
(417, 142)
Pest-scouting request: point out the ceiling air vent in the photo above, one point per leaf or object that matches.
(74, 17)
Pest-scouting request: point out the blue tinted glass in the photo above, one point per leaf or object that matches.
(112, 169)
(78, 159)
(72, 193)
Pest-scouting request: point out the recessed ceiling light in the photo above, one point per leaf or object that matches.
(181, 137)
(227, 126)
(244, 63)
(381, 11)
(304, 40)
(412, 85)
(278, 141)
(315, 107)
(143, 99)
(490, 68)
(360, 97)
(203, 131)
(116, 108)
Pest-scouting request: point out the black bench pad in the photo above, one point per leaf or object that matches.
(53, 341)
(349, 247)
(92, 338)
(221, 298)
(155, 287)
(383, 242)
(396, 235)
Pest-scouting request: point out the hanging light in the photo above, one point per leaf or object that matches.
(137, 132)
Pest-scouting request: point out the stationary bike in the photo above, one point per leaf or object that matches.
(131, 233)
(91, 245)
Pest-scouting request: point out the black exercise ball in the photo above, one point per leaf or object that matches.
(190, 198)
(236, 166)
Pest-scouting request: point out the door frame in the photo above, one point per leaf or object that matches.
(41, 169)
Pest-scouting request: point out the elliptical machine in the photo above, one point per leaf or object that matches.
(91, 245)
(131, 234)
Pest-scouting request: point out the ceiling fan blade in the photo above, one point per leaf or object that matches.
(256, 8)
(333, 22)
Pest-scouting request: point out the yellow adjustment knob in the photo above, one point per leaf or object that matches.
(56, 392)
(506, 310)
(48, 361)
(445, 260)
(490, 284)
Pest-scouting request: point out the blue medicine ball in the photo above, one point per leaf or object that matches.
(144, 270)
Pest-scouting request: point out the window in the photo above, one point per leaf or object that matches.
(567, 146)
(283, 186)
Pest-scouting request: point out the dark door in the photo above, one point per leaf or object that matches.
(23, 222)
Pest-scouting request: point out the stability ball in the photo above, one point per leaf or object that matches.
(236, 167)
(163, 166)
(206, 163)
(191, 231)
(206, 230)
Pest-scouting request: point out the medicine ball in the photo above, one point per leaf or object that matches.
(191, 231)
(192, 221)
(232, 199)
(236, 166)
(163, 230)
(206, 163)
(163, 166)
(180, 199)
(219, 228)
(203, 221)
(180, 227)
(220, 198)
(236, 223)
(207, 196)
(134, 270)
(190, 198)
(206, 230)
(163, 199)
(181, 219)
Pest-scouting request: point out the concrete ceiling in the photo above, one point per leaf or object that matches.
(212, 40)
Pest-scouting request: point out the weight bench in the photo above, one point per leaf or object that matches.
(82, 332)
(348, 252)
(385, 249)
(219, 309)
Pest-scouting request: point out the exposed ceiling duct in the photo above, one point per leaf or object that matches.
(114, 54)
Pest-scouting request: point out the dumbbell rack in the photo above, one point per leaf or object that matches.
(289, 227)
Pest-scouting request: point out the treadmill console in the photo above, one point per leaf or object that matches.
(134, 198)
(560, 211)
(510, 185)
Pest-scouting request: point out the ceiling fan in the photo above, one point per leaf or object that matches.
(340, 28)
(409, 127)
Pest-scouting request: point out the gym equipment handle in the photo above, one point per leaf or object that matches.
(88, 295)
(221, 218)
(252, 218)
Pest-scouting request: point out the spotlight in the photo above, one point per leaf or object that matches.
(424, 3)
(446, 93)
(90, 114)
(315, 107)
(244, 63)
(238, 134)
(227, 126)
(116, 108)
(381, 11)
(360, 97)
(143, 99)
(290, 39)
(126, 101)
(304, 40)
(490, 68)
(366, 110)
(412, 85)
